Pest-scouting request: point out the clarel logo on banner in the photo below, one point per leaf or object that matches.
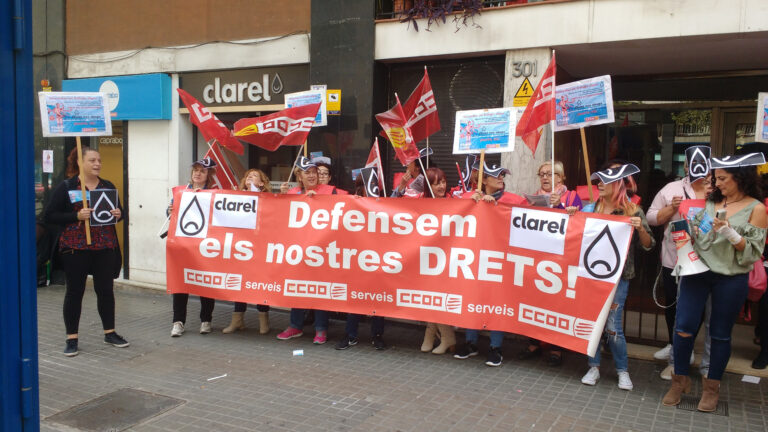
(194, 208)
(602, 245)
(235, 211)
(225, 281)
(538, 230)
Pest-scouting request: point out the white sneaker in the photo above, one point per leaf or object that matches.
(624, 382)
(663, 354)
(205, 327)
(591, 377)
(666, 374)
(178, 329)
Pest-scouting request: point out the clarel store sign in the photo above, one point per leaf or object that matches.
(241, 88)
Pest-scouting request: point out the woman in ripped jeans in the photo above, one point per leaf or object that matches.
(613, 200)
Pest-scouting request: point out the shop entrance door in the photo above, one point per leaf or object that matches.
(738, 132)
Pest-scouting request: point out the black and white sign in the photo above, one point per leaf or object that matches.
(102, 202)
(194, 210)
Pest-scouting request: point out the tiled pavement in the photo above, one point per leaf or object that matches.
(400, 389)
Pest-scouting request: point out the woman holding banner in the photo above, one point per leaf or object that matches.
(614, 182)
(79, 258)
(254, 180)
(492, 192)
(436, 178)
(306, 174)
(201, 177)
(729, 237)
(559, 197)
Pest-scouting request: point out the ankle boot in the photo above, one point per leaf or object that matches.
(710, 395)
(236, 324)
(680, 384)
(447, 339)
(429, 337)
(263, 322)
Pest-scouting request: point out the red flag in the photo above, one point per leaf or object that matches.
(395, 126)
(421, 110)
(374, 160)
(224, 178)
(287, 127)
(540, 109)
(210, 126)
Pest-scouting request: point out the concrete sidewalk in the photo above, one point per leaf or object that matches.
(267, 388)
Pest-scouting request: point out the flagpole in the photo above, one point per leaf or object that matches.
(426, 179)
(380, 165)
(552, 126)
(427, 152)
(290, 176)
(586, 164)
(220, 162)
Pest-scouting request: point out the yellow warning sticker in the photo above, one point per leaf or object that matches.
(333, 102)
(523, 94)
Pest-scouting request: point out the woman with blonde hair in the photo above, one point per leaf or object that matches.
(254, 180)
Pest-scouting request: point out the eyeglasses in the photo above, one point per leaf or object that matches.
(546, 174)
(323, 174)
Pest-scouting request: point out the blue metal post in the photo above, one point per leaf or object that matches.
(19, 397)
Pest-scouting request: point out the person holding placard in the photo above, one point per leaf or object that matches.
(492, 191)
(559, 197)
(254, 180)
(613, 183)
(665, 208)
(729, 247)
(201, 177)
(78, 257)
(411, 183)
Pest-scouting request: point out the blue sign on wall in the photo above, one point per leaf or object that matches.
(131, 97)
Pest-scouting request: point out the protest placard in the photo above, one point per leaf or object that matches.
(761, 127)
(536, 272)
(492, 130)
(74, 114)
(309, 97)
(583, 103)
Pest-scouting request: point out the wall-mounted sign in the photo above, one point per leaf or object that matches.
(245, 87)
(130, 97)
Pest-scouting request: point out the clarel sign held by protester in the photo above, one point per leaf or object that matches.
(529, 271)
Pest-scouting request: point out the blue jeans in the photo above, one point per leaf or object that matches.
(728, 294)
(353, 320)
(614, 329)
(497, 337)
(321, 319)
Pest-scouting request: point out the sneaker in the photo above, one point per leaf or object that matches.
(378, 343)
(205, 327)
(527, 353)
(346, 342)
(115, 339)
(591, 377)
(71, 349)
(663, 354)
(466, 351)
(666, 374)
(290, 333)
(494, 357)
(624, 382)
(178, 329)
(321, 337)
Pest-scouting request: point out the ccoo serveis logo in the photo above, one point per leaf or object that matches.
(538, 230)
(225, 281)
(555, 321)
(430, 300)
(235, 211)
(315, 289)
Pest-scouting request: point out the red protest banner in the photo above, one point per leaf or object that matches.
(529, 271)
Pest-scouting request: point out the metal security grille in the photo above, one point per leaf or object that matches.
(458, 85)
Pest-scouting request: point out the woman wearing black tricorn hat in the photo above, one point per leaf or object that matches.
(614, 181)
(729, 237)
(201, 177)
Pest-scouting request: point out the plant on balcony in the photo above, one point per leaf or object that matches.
(437, 11)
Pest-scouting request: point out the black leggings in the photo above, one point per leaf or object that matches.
(180, 308)
(240, 307)
(78, 264)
